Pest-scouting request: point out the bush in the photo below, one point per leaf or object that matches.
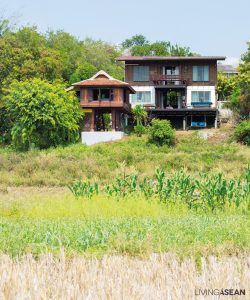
(139, 130)
(161, 132)
(242, 132)
(42, 114)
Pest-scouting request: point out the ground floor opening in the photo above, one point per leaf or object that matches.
(104, 120)
(187, 118)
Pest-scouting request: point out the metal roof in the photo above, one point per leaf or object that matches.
(227, 69)
(147, 58)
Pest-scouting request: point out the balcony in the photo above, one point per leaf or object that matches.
(168, 80)
(105, 104)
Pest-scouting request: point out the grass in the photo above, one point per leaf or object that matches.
(88, 248)
(41, 215)
(38, 224)
(159, 277)
(61, 166)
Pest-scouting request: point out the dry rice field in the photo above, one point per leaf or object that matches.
(121, 277)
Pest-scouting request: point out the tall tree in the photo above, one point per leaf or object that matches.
(240, 98)
(139, 45)
(41, 114)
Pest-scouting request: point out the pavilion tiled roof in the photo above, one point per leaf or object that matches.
(102, 79)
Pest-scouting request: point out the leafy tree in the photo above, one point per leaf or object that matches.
(136, 40)
(139, 45)
(226, 85)
(103, 57)
(41, 114)
(240, 99)
(83, 71)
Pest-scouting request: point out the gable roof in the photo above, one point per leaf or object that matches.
(102, 79)
(146, 58)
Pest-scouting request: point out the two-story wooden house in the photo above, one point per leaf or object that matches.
(182, 89)
(99, 95)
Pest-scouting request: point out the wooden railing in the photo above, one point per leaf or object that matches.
(168, 80)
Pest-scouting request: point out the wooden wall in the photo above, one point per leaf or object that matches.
(185, 68)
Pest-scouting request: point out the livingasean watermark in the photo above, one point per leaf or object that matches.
(220, 292)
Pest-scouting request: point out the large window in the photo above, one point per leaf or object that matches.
(200, 73)
(141, 97)
(102, 94)
(201, 96)
(171, 70)
(141, 73)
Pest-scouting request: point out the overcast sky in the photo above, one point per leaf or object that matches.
(212, 27)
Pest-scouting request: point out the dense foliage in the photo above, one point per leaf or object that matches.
(237, 89)
(25, 54)
(41, 114)
(161, 132)
(139, 45)
(242, 132)
(226, 86)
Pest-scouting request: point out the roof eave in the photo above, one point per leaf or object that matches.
(142, 58)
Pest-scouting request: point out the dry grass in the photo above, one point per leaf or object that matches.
(120, 277)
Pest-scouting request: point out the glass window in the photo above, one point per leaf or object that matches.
(105, 94)
(171, 70)
(141, 73)
(102, 94)
(141, 97)
(201, 96)
(200, 73)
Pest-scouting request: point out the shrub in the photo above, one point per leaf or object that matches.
(242, 132)
(161, 132)
(43, 114)
(139, 130)
(139, 114)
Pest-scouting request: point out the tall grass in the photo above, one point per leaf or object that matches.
(61, 166)
(159, 277)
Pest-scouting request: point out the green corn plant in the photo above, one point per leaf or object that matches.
(147, 187)
(81, 188)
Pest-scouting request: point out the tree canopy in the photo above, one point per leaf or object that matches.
(139, 45)
(41, 114)
(237, 89)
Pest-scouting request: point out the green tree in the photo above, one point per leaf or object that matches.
(42, 114)
(240, 99)
(136, 40)
(138, 45)
(226, 85)
(83, 71)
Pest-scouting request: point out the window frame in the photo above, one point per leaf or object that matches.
(99, 89)
(199, 99)
(137, 79)
(203, 73)
(137, 97)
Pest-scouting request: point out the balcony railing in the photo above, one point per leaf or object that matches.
(168, 80)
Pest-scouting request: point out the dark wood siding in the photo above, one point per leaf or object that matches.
(186, 71)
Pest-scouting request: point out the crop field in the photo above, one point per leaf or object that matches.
(115, 277)
(81, 221)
